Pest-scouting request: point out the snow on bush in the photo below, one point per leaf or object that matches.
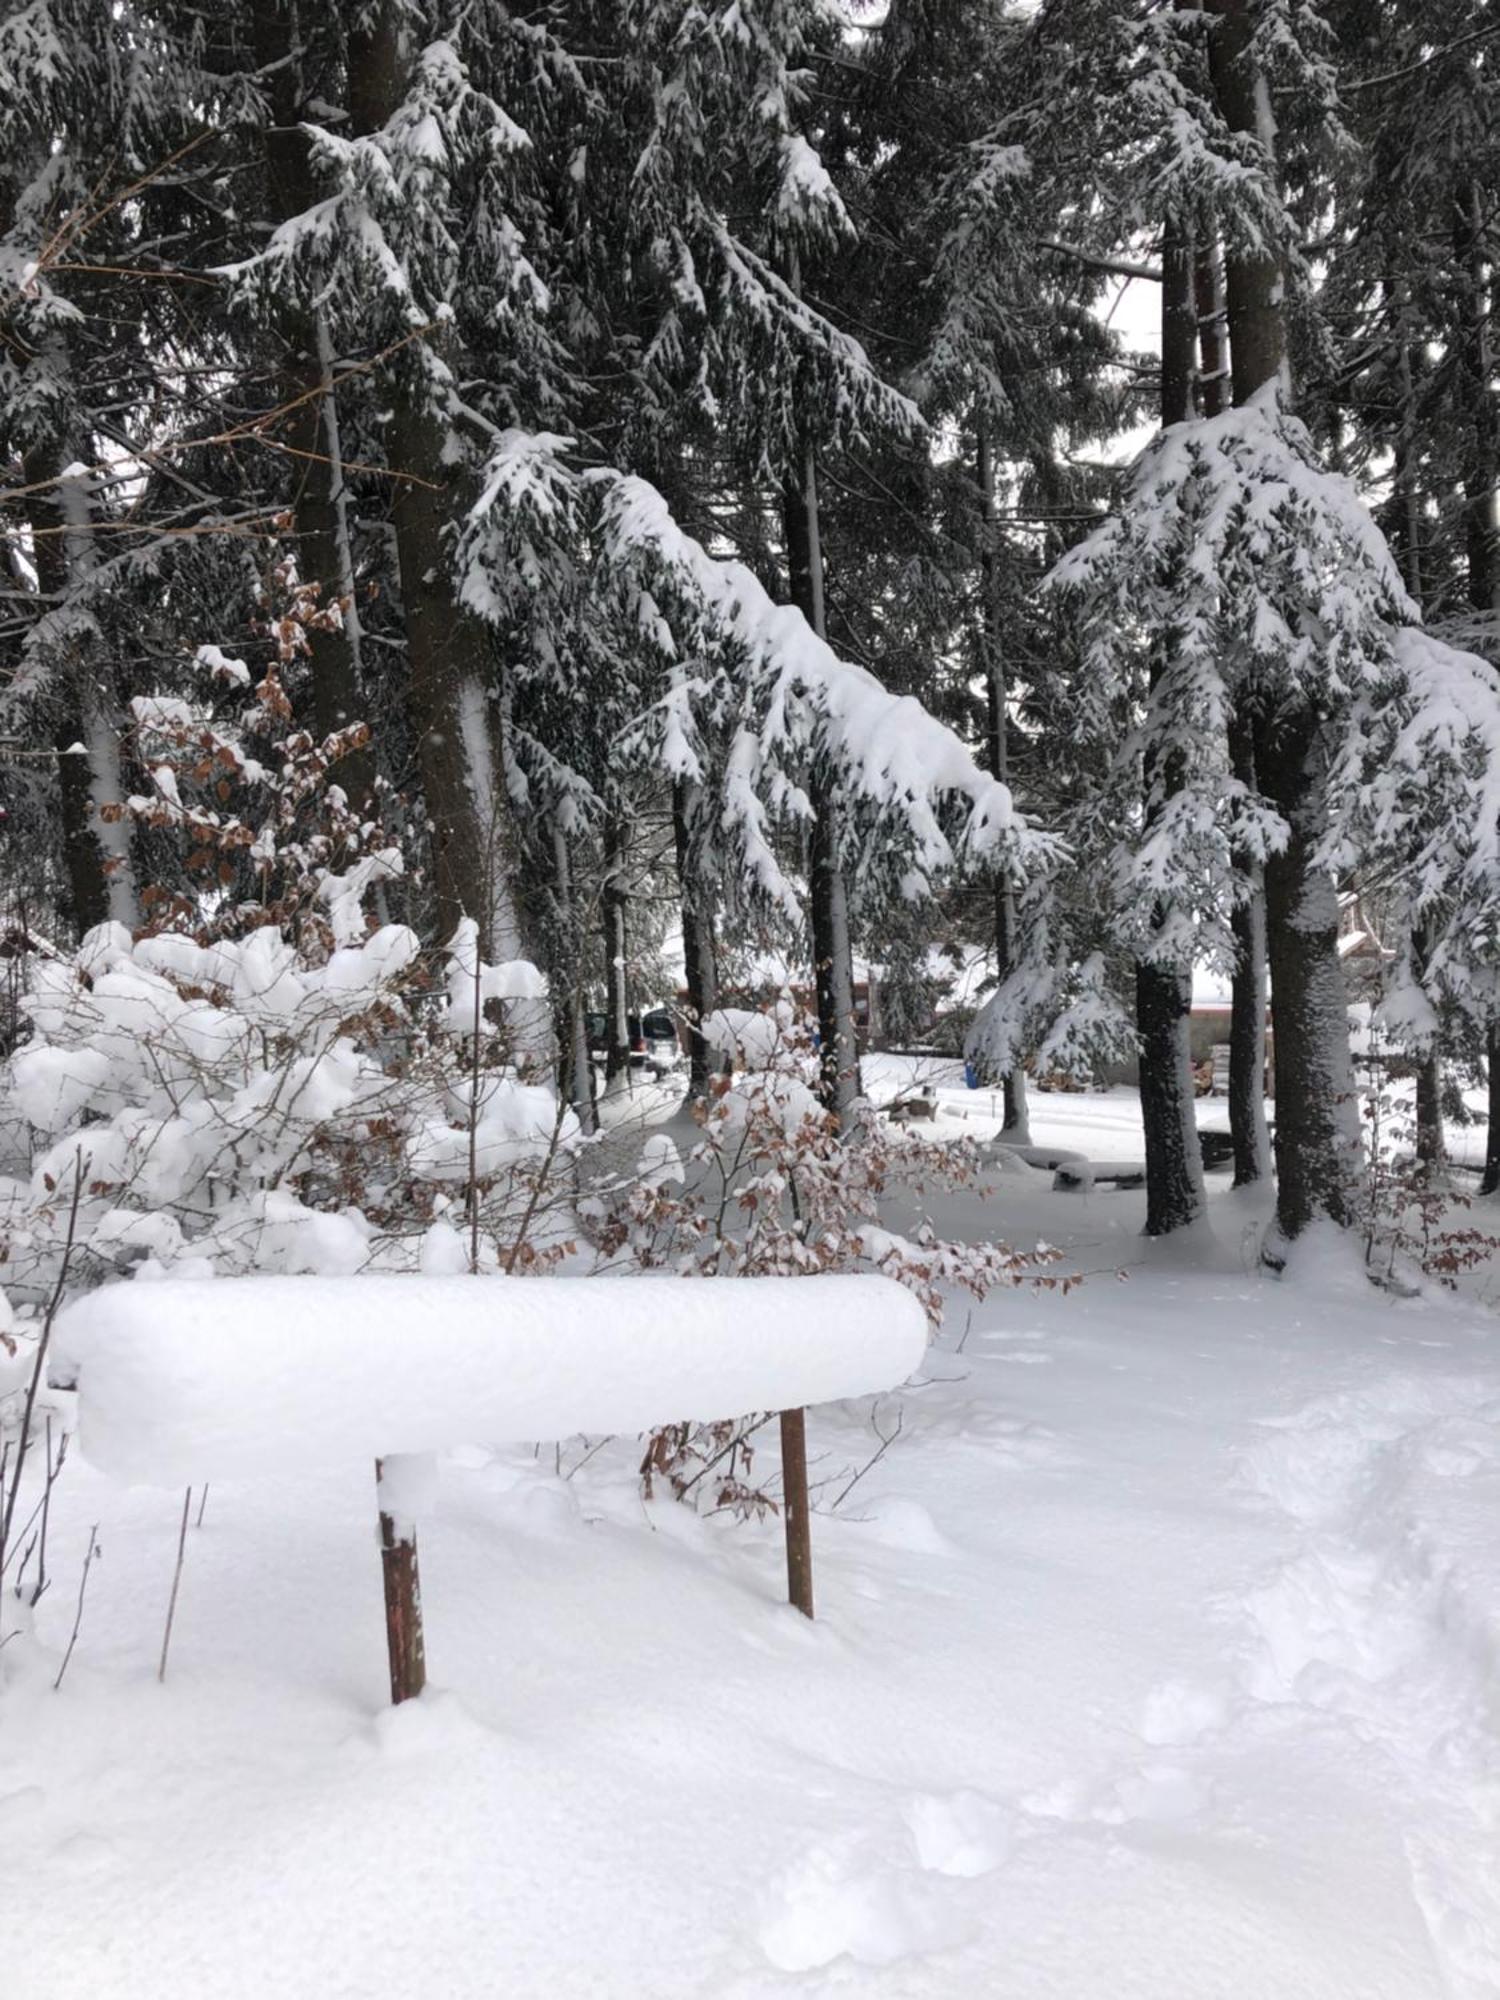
(264, 1077)
(774, 1188)
(252, 1104)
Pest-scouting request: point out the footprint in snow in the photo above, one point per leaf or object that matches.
(960, 1833)
(1158, 1793)
(1374, 1619)
(898, 1523)
(1458, 1447)
(880, 1897)
(1183, 1712)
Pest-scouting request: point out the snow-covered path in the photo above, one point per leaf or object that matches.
(1155, 1660)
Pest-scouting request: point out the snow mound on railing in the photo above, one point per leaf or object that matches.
(255, 1377)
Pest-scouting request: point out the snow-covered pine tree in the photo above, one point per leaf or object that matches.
(1289, 611)
(944, 150)
(95, 105)
(1315, 1129)
(298, 72)
(1405, 381)
(1163, 167)
(413, 250)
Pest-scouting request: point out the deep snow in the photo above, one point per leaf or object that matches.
(1154, 1661)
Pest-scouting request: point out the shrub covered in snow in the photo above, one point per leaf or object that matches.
(264, 1077)
(773, 1187)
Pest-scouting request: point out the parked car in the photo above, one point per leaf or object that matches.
(654, 1041)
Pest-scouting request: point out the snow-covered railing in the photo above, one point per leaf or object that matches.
(258, 1377)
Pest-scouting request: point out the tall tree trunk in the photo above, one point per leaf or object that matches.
(1163, 988)
(97, 857)
(577, 1069)
(1430, 1149)
(1247, 991)
(1317, 1136)
(1017, 1124)
(615, 904)
(1490, 1179)
(699, 972)
(309, 431)
(450, 697)
(1213, 382)
(1247, 994)
(452, 672)
(833, 958)
(1317, 1132)
(1482, 514)
(1406, 543)
(1253, 280)
(1481, 473)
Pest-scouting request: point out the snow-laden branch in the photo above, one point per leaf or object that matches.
(1416, 788)
(887, 752)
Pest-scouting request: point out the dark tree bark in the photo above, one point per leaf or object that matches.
(1213, 383)
(1317, 1135)
(1253, 280)
(450, 697)
(85, 703)
(452, 674)
(1247, 991)
(1482, 513)
(1490, 1179)
(615, 904)
(1406, 543)
(833, 959)
(1163, 988)
(700, 975)
(1481, 472)
(1016, 1123)
(571, 1024)
(1247, 996)
(1430, 1148)
(309, 430)
(1317, 1138)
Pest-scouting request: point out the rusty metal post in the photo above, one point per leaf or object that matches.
(794, 1505)
(403, 1605)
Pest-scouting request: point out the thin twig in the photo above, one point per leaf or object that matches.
(592, 1450)
(543, 1173)
(734, 1444)
(83, 1584)
(48, 1483)
(40, 1364)
(26, 1555)
(875, 1457)
(166, 1637)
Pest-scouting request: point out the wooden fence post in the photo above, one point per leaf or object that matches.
(403, 1604)
(794, 1505)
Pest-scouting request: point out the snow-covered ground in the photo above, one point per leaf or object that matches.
(1155, 1660)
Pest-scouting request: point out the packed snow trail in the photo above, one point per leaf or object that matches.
(1387, 1621)
(1153, 1662)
